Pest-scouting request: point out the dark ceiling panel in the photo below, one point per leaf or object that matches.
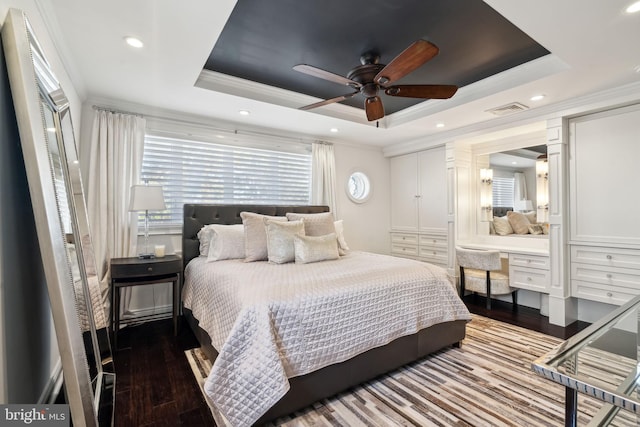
(263, 40)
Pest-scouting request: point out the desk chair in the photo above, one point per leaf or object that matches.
(480, 271)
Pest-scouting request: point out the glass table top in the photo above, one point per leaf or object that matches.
(602, 360)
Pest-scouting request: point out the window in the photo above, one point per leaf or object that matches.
(503, 191)
(193, 171)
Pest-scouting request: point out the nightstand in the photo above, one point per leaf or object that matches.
(135, 271)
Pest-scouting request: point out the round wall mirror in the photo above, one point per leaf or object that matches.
(359, 187)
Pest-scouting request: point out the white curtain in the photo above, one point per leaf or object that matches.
(519, 187)
(115, 161)
(323, 175)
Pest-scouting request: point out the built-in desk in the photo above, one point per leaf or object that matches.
(528, 268)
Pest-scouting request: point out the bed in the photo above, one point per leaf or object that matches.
(306, 380)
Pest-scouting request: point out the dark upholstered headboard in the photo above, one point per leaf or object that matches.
(197, 216)
(501, 211)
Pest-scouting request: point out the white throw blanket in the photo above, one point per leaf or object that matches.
(272, 322)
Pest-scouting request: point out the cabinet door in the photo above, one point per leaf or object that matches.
(404, 192)
(432, 188)
(605, 149)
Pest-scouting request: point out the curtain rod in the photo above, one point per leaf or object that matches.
(298, 140)
(113, 110)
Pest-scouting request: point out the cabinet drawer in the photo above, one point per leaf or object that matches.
(610, 276)
(533, 261)
(433, 241)
(404, 238)
(602, 293)
(404, 250)
(534, 279)
(434, 256)
(151, 268)
(613, 257)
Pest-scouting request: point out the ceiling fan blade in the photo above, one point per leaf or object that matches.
(374, 108)
(326, 75)
(422, 91)
(411, 58)
(329, 101)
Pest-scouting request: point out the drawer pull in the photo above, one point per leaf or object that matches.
(150, 269)
(609, 294)
(435, 241)
(528, 261)
(609, 257)
(609, 276)
(529, 279)
(404, 238)
(435, 253)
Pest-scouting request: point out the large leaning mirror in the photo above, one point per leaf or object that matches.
(51, 162)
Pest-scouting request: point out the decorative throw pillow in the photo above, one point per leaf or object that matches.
(536, 229)
(342, 243)
(227, 242)
(318, 224)
(255, 235)
(502, 226)
(531, 216)
(492, 228)
(315, 248)
(280, 247)
(519, 222)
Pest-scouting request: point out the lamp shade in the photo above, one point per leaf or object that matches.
(146, 198)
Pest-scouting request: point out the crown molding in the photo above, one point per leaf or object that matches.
(586, 104)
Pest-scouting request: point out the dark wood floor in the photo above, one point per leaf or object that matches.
(155, 386)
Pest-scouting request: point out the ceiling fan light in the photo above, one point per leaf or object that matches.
(538, 97)
(134, 42)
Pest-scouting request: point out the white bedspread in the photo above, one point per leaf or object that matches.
(271, 322)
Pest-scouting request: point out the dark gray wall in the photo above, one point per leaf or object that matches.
(25, 312)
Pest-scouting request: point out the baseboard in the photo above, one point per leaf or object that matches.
(52, 389)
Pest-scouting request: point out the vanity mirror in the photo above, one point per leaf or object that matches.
(51, 162)
(514, 186)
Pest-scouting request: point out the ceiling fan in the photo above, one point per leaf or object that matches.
(371, 77)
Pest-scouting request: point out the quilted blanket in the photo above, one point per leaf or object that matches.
(271, 322)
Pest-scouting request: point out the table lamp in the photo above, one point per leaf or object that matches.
(146, 198)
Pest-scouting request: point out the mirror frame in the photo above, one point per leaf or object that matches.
(28, 90)
(368, 186)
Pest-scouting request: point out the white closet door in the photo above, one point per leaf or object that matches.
(605, 172)
(404, 192)
(432, 167)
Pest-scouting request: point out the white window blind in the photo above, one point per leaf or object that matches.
(192, 171)
(503, 191)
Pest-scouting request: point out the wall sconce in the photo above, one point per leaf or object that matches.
(542, 189)
(486, 195)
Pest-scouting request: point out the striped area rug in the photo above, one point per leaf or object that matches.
(486, 382)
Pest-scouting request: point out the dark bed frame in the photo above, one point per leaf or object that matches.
(328, 381)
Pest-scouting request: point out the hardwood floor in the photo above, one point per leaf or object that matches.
(155, 386)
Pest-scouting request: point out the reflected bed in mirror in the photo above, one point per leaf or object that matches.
(51, 163)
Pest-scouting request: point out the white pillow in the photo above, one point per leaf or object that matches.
(502, 226)
(315, 248)
(342, 243)
(226, 242)
(318, 224)
(255, 235)
(280, 246)
(204, 235)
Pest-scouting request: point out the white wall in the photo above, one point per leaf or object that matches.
(29, 356)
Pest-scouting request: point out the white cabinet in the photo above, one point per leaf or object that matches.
(419, 191)
(419, 206)
(610, 275)
(604, 150)
(529, 272)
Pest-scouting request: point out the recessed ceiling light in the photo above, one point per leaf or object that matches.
(440, 125)
(134, 41)
(220, 136)
(633, 7)
(334, 130)
(539, 97)
(244, 112)
(514, 163)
